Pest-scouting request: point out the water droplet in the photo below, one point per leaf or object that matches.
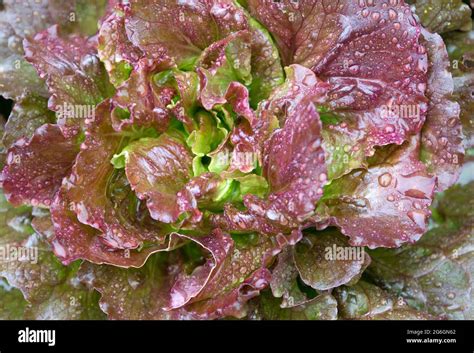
(392, 14)
(417, 217)
(422, 65)
(452, 122)
(385, 179)
(415, 193)
(375, 16)
(354, 69)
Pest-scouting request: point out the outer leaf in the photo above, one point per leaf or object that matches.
(28, 114)
(386, 205)
(13, 304)
(284, 282)
(116, 51)
(100, 194)
(73, 240)
(443, 16)
(460, 49)
(434, 275)
(240, 278)
(21, 20)
(368, 302)
(293, 159)
(143, 99)
(36, 167)
(74, 74)
(133, 294)
(370, 54)
(456, 204)
(323, 307)
(326, 261)
(29, 265)
(182, 31)
(69, 300)
(442, 149)
(145, 293)
(222, 63)
(15, 24)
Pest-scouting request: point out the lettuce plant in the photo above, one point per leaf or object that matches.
(252, 159)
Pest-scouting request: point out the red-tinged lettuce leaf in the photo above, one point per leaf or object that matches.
(36, 167)
(185, 86)
(293, 158)
(267, 71)
(190, 287)
(75, 77)
(325, 260)
(28, 114)
(288, 141)
(241, 277)
(73, 240)
(238, 153)
(100, 195)
(233, 60)
(443, 16)
(116, 51)
(349, 45)
(320, 35)
(434, 275)
(385, 205)
(322, 307)
(135, 294)
(170, 191)
(365, 301)
(67, 300)
(245, 147)
(442, 150)
(284, 282)
(18, 21)
(182, 31)
(158, 168)
(222, 63)
(145, 293)
(143, 99)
